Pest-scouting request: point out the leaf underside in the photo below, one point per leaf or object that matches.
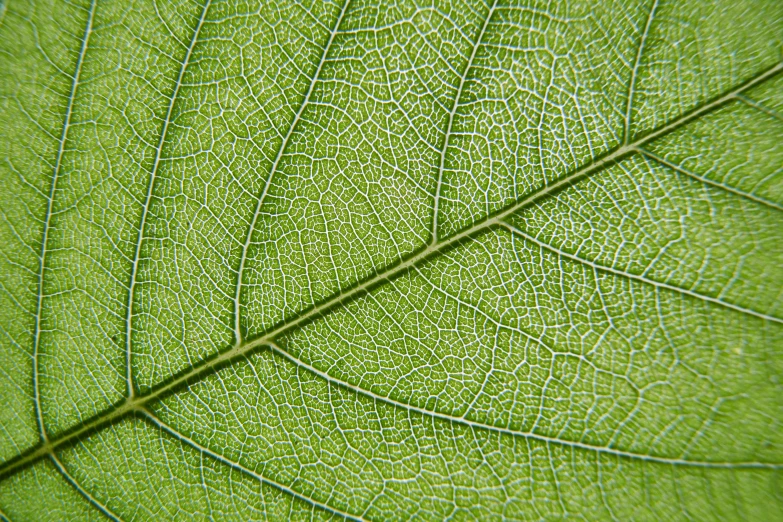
(421, 260)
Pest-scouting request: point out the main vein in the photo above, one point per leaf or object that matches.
(208, 367)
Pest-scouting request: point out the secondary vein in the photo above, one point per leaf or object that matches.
(454, 106)
(248, 237)
(632, 82)
(239, 467)
(628, 275)
(49, 205)
(759, 107)
(465, 421)
(708, 181)
(80, 489)
(148, 200)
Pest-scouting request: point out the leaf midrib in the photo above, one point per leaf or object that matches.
(207, 366)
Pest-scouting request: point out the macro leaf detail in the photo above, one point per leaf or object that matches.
(408, 260)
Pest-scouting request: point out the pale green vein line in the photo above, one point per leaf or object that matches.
(148, 199)
(708, 107)
(454, 107)
(760, 107)
(727, 188)
(518, 433)
(632, 82)
(280, 151)
(514, 230)
(206, 367)
(83, 492)
(47, 220)
(239, 467)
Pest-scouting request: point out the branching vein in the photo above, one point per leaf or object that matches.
(148, 200)
(49, 205)
(452, 113)
(238, 337)
(79, 489)
(239, 467)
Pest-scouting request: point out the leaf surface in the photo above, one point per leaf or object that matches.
(420, 260)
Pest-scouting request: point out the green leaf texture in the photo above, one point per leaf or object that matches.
(429, 259)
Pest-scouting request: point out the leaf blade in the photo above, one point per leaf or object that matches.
(626, 361)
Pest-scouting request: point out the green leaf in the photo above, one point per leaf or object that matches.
(404, 261)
